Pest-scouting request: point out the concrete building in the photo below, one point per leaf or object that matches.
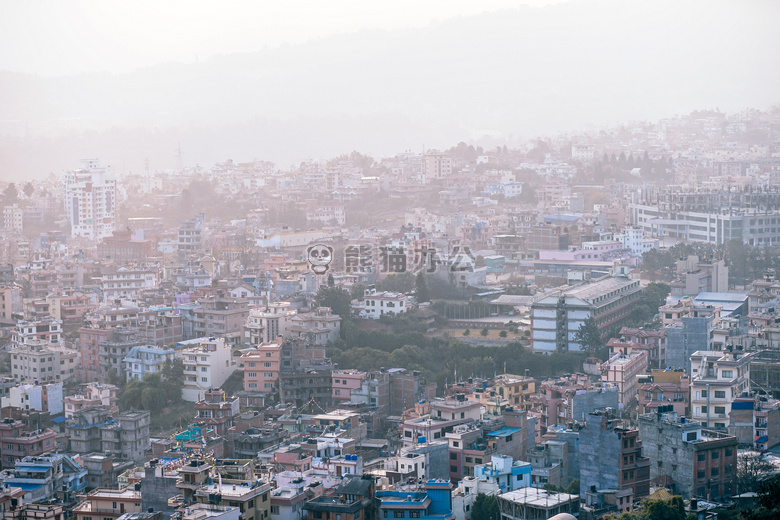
(262, 367)
(190, 235)
(694, 462)
(434, 503)
(376, 304)
(437, 166)
(623, 371)
(755, 422)
(606, 445)
(265, 325)
(694, 276)
(17, 442)
(508, 474)
(97, 430)
(47, 477)
(693, 332)
(641, 339)
(92, 394)
(717, 378)
(47, 330)
(251, 498)
(536, 504)
(711, 216)
(124, 282)
(221, 316)
(208, 362)
(319, 327)
(43, 397)
(663, 388)
(556, 318)
(41, 361)
(108, 503)
(146, 360)
(90, 201)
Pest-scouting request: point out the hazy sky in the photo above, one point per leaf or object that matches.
(59, 37)
(133, 80)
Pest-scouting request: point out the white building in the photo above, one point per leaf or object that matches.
(90, 200)
(125, 283)
(437, 166)
(45, 397)
(264, 325)
(633, 239)
(41, 361)
(13, 218)
(146, 360)
(376, 304)
(717, 377)
(208, 362)
(318, 327)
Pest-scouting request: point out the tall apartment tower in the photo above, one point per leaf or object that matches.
(90, 200)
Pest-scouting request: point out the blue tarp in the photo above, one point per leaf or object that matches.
(59, 419)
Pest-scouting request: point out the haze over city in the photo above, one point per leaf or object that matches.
(129, 81)
(439, 260)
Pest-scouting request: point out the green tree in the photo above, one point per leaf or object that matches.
(485, 507)
(339, 300)
(28, 189)
(502, 334)
(357, 291)
(331, 281)
(421, 288)
(467, 332)
(10, 194)
(484, 332)
(588, 336)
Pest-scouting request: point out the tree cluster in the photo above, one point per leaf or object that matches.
(157, 389)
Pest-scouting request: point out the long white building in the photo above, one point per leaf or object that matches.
(90, 201)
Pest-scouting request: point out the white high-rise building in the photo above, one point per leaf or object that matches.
(90, 200)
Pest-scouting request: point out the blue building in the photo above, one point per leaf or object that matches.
(434, 503)
(506, 472)
(47, 477)
(144, 360)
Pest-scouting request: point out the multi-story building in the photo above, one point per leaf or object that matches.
(146, 360)
(221, 316)
(717, 378)
(90, 201)
(262, 367)
(434, 503)
(712, 216)
(694, 276)
(97, 430)
(319, 327)
(55, 477)
(124, 282)
(376, 304)
(444, 415)
(693, 332)
(507, 474)
(536, 503)
(344, 382)
(47, 330)
(755, 421)
(216, 411)
(605, 446)
(19, 442)
(108, 504)
(10, 300)
(556, 318)
(251, 498)
(437, 166)
(663, 388)
(43, 397)
(190, 239)
(623, 370)
(694, 462)
(92, 394)
(208, 362)
(13, 218)
(651, 341)
(42, 361)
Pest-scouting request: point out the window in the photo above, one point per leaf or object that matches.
(729, 452)
(703, 409)
(720, 394)
(453, 469)
(251, 374)
(414, 514)
(715, 455)
(469, 459)
(704, 393)
(714, 472)
(398, 513)
(267, 365)
(274, 510)
(453, 456)
(455, 444)
(726, 374)
(701, 457)
(720, 409)
(384, 513)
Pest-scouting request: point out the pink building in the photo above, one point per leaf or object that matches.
(344, 381)
(261, 367)
(623, 370)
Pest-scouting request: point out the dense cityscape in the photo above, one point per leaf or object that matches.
(586, 325)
